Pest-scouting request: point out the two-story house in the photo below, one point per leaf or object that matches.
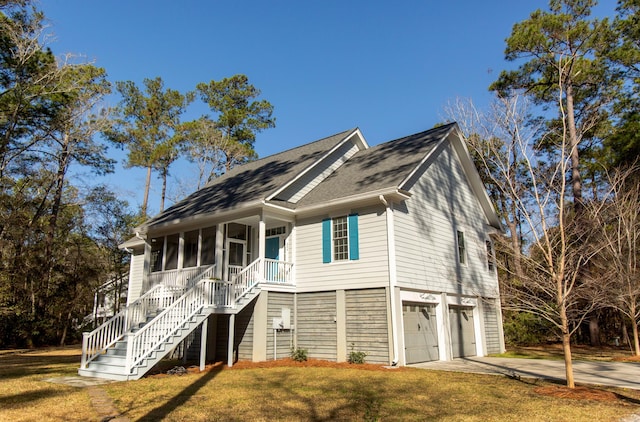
(332, 246)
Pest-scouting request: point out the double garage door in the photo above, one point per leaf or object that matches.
(421, 333)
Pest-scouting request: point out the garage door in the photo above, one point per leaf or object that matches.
(463, 339)
(420, 332)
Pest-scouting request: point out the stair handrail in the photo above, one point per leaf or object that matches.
(206, 292)
(159, 296)
(208, 272)
(244, 281)
(108, 333)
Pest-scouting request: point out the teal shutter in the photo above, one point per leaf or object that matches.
(326, 240)
(354, 250)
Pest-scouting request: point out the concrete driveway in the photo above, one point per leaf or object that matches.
(616, 374)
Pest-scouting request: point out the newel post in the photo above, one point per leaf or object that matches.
(85, 347)
(129, 358)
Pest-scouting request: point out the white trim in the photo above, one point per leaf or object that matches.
(362, 145)
(432, 152)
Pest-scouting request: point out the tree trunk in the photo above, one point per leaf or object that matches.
(147, 185)
(576, 179)
(164, 189)
(594, 331)
(636, 342)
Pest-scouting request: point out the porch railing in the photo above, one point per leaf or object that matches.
(182, 277)
(278, 271)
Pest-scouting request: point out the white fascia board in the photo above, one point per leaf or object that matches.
(197, 221)
(131, 243)
(359, 141)
(433, 151)
(392, 194)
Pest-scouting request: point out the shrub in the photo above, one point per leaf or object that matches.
(356, 357)
(299, 355)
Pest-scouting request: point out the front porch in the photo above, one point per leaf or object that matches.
(256, 247)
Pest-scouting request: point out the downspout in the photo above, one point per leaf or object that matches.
(391, 250)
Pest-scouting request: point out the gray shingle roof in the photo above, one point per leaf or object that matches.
(250, 182)
(383, 166)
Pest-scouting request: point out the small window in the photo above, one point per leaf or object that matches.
(462, 252)
(340, 239)
(491, 265)
(275, 231)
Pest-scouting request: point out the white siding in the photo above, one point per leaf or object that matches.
(311, 179)
(426, 226)
(370, 270)
(136, 271)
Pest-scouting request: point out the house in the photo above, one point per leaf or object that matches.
(331, 247)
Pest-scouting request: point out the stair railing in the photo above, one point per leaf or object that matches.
(159, 296)
(142, 343)
(244, 281)
(103, 337)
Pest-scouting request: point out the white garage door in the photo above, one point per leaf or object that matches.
(463, 339)
(420, 332)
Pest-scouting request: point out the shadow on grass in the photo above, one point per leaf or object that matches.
(181, 398)
(19, 366)
(27, 398)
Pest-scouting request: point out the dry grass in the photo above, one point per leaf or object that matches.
(325, 393)
(315, 392)
(25, 396)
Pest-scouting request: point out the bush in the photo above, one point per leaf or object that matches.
(356, 357)
(299, 355)
(525, 329)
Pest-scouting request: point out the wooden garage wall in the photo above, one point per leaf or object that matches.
(316, 324)
(366, 324)
(277, 301)
(492, 332)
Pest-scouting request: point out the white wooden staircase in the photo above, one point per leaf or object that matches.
(128, 345)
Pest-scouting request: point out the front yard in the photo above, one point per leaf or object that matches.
(322, 393)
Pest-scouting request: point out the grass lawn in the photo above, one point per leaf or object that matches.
(322, 393)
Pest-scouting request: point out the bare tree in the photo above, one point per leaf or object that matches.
(535, 186)
(616, 219)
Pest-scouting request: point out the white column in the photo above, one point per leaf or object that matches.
(181, 251)
(203, 342)
(232, 327)
(218, 251)
(262, 243)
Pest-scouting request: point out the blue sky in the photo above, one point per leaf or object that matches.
(386, 67)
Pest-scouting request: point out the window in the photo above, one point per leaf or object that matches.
(173, 243)
(340, 239)
(157, 250)
(208, 253)
(275, 231)
(462, 252)
(491, 265)
(190, 249)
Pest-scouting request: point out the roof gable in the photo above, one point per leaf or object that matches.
(384, 166)
(249, 183)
